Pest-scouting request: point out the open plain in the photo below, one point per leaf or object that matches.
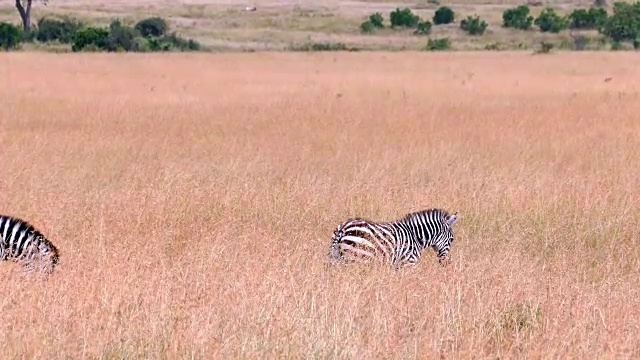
(193, 197)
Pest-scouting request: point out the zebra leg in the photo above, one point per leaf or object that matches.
(444, 260)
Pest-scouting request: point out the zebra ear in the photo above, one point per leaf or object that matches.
(452, 218)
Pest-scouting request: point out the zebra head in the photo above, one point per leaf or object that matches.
(44, 255)
(445, 238)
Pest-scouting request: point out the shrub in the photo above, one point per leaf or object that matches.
(550, 21)
(636, 44)
(57, 30)
(377, 20)
(624, 24)
(517, 18)
(153, 26)
(423, 28)
(403, 18)
(444, 15)
(587, 19)
(473, 25)
(329, 46)
(90, 38)
(10, 36)
(367, 27)
(438, 44)
(122, 37)
(181, 43)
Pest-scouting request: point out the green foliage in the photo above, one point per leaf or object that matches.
(153, 26)
(444, 15)
(367, 27)
(423, 28)
(90, 38)
(10, 36)
(587, 19)
(377, 20)
(122, 37)
(517, 18)
(438, 44)
(550, 21)
(636, 44)
(473, 25)
(180, 43)
(61, 30)
(403, 18)
(624, 24)
(329, 46)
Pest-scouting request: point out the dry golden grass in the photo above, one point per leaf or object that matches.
(193, 199)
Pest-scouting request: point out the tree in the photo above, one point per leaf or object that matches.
(24, 9)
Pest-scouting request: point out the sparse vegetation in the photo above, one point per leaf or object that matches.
(423, 28)
(321, 46)
(403, 18)
(377, 20)
(61, 30)
(89, 38)
(473, 25)
(550, 21)
(440, 44)
(592, 18)
(517, 18)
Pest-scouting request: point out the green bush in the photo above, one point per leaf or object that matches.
(587, 19)
(550, 21)
(122, 37)
(377, 20)
(10, 36)
(61, 30)
(444, 15)
(473, 25)
(636, 44)
(403, 18)
(517, 18)
(367, 27)
(438, 44)
(180, 43)
(90, 38)
(153, 26)
(624, 24)
(328, 46)
(423, 28)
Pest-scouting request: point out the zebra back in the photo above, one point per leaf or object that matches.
(400, 242)
(21, 242)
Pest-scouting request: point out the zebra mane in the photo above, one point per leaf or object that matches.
(412, 215)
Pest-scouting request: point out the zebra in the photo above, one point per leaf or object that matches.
(399, 242)
(21, 242)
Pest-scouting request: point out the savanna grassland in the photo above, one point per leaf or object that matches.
(193, 197)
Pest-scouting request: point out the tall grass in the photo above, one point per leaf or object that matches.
(193, 197)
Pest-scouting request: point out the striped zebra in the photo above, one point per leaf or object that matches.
(399, 242)
(21, 242)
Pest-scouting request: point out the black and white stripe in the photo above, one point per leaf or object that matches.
(399, 242)
(21, 242)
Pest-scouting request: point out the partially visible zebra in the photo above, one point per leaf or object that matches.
(399, 242)
(22, 243)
